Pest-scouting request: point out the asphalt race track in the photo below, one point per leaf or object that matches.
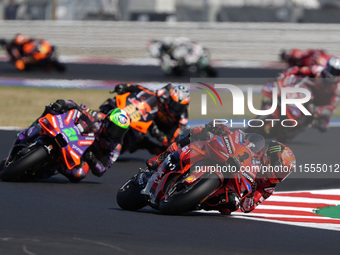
(57, 217)
(127, 73)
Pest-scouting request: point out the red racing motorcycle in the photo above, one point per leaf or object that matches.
(278, 126)
(309, 57)
(192, 176)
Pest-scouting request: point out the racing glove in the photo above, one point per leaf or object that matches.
(61, 106)
(58, 105)
(218, 129)
(164, 140)
(120, 88)
(159, 135)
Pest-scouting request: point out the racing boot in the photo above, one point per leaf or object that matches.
(224, 203)
(154, 162)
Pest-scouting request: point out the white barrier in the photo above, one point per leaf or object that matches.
(226, 41)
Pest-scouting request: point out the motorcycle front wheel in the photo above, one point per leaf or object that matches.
(19, 169)
(129, 196)
(182, 198)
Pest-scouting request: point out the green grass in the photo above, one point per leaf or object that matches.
(20, 106)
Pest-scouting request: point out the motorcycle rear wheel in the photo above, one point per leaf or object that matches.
(58, 66)
(17, 170)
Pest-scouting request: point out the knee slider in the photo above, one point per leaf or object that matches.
(81, 171)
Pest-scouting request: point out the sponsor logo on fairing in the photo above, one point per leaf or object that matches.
(60, 120)
(74, 154)
(247, 176)
(227, 142)
(76, 148)
(219, 139)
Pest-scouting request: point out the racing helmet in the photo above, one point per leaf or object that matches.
(116, 124)
(280, 162)
(20, 39)
(296, 53)
(332, 69)
(179, 99)
(168, 42)
(295, 57)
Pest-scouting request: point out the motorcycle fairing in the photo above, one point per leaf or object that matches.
(66, 133)
(137, 110)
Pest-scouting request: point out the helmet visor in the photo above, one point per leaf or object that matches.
(176, 107)
(117, 123)
(281, 172)
(282, 167)
(114, 132)
(179, 99)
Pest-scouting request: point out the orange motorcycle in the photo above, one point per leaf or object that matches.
(142, 109)
(33, 53)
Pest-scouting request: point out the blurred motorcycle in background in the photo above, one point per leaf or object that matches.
(298, 57)
(27, 53)
(276, 125)
(182, 57)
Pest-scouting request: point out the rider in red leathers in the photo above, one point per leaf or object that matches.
(277, 154)
(323, 82)
(297, 57)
